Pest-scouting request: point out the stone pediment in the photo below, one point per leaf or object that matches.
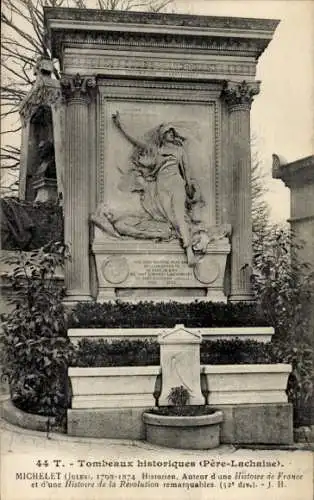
(180, 335)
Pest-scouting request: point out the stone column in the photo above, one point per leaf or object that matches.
(239, 97)
(77, 92)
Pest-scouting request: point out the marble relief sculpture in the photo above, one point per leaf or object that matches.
(171, 200)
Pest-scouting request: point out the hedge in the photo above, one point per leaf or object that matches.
(165, 315)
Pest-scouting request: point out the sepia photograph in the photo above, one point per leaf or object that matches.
(157, 250)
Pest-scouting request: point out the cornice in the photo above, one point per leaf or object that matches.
(142, 29)
(296, 173)
(119, 41)
(159, 19)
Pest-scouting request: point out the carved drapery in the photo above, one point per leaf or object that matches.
(78, 92)
(239, 97)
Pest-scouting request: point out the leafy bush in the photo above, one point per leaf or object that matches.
(37, 351)
(164, 315)
(236, 351)
(283, 285)
(300, 385)
(284, 288)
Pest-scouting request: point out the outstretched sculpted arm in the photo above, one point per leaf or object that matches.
(132, 140)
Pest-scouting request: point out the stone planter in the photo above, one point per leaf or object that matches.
(113, 387)
(246, 384)
(188, 432)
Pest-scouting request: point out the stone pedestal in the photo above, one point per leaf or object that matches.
(133, 270)
(239, 97)
(46, 190)
(77, 92)
(180, 364)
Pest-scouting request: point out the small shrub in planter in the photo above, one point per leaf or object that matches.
(178, 399)
(91, 353)
(179, 396)
(180, 425)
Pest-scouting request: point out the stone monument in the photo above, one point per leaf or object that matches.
(298, 176)
(152, 142)
(42, 115)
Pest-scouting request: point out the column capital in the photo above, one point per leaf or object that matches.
(239, 95)
(78, 87)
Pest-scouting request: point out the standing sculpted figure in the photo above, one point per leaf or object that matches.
(171, 204)
(162, 163)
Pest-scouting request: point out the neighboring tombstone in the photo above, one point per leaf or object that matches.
(42, 148)
(298, 176)
(180, 364)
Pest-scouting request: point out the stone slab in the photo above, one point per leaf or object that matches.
(264, 424)
(247, 383)
(269, 424)
(258, 334)
(122, 423)
(257, 424)
(113, 387)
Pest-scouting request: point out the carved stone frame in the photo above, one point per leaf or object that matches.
(158, 91)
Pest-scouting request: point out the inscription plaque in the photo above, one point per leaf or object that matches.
(170, 272)
(162, 266)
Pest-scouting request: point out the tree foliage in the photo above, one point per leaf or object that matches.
(282, 282)
(260, 206)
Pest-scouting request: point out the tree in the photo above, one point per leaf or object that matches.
(282, 283)
(260, 207)
(23, 42)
